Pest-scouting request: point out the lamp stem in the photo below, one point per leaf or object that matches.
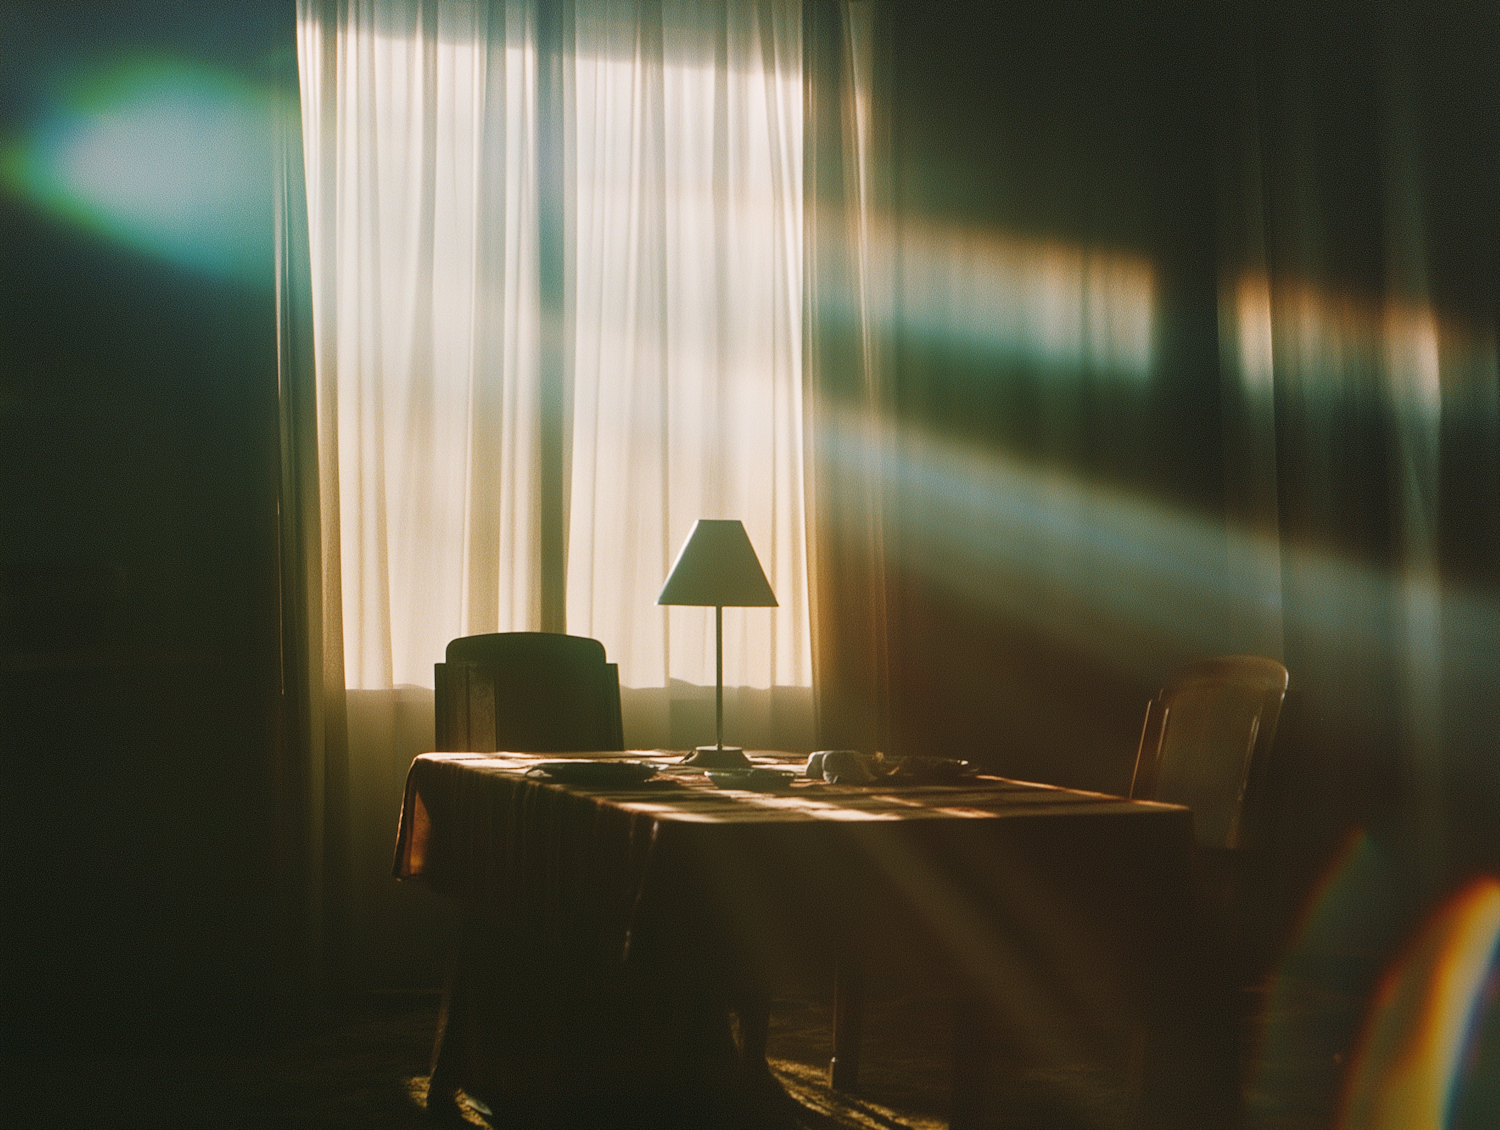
(719, 671)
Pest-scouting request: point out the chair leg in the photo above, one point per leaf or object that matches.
(973, 1039)
(848, 1023)
(1135, 1079)
(753, 1008)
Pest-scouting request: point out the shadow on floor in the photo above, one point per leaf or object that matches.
(366, 1070)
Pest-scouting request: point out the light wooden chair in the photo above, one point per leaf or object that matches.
(1205, 744)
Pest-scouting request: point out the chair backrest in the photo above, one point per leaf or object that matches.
(530, 692)
(1205, 741)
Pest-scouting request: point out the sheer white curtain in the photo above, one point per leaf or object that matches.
(419, 147)
(683, 140)
(420, 141)
(687, 398)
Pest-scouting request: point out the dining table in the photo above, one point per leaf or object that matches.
(627, 919)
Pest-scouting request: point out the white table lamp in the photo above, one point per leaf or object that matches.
(717, 568)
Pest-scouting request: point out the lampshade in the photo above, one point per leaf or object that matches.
(717, 567)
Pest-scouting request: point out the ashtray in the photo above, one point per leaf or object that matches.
(756, 780)
(932, 769)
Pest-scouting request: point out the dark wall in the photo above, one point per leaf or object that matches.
(1063, 150)
(1064, 510)
(138, 607)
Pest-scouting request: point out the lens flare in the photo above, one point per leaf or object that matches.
(169, 157)
(1411, 1062)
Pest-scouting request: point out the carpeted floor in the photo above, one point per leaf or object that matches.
(367, 1071)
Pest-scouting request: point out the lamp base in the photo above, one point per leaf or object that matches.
(718, 757)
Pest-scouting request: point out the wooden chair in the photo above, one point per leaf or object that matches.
(524, 692)
(532, 692)
(527, 692)
(1205, 744)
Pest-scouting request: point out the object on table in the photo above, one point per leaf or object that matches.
(846, 767)
(934, 770)
(598, 774)
(717, 568)
(756, 780)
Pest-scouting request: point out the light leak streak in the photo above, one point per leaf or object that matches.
(1253, 328)
(169, 157)
(1112, 574)
(994, 296)
(1333, 358)
(998, 965)
(1324, 346)
(1121, 576)
(1349, 907)
(822, 810)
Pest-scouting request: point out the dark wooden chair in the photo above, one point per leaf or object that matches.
(527, 692)
(1206, 744)
(523, 692)
(539, 692)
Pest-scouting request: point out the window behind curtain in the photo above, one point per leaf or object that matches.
(683, 178)
(687, 364)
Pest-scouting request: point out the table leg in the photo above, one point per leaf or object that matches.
(448, 1045)
(848, 1023)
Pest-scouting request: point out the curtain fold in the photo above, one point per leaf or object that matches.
(1053, 499)
(1247, 366)
(1366, 296)
(312, 731)
(686, 397)
(419, 143)
(846, 314)
(1370, 293)
(421, 150)
(682, 173)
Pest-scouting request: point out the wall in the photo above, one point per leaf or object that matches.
(1056, 380)
(1194, 354)
(138, 629)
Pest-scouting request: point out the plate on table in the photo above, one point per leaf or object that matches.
(599, 774)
